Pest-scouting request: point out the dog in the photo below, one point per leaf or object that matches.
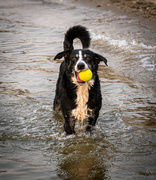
(79, 101)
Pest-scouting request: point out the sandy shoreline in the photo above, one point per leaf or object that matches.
(143, 10)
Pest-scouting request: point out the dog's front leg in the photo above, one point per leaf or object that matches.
(91, 124)
(92, 120)
(69, 125)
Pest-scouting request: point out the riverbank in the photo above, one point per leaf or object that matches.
(141, 8)
(143, 12)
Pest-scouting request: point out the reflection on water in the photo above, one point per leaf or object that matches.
(82, 163)
(33, 144)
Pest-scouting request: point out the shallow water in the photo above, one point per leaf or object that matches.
(33, 144)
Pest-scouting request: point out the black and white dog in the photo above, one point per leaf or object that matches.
(78, 100)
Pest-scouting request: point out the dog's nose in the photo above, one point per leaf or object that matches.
(80, 66)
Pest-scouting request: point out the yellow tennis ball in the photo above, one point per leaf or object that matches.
(86, 75)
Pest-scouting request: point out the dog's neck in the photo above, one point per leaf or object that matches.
(82, 93)
(80, 112)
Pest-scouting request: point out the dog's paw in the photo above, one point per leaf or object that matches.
(89, 127)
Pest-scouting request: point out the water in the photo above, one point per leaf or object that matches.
(33, 144)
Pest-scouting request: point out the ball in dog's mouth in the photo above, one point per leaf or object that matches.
(78, 78)
(84, 76)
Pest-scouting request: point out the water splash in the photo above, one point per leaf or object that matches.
(123, 44)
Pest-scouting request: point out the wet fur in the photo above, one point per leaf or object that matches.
(78, 101)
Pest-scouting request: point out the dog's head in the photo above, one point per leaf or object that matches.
(80, 60)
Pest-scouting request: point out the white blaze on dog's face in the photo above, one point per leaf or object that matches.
(80, 64)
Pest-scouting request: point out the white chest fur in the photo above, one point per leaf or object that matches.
(81, 111)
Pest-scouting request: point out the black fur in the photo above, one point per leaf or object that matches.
(66, 88)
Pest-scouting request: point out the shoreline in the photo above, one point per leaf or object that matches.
(143, 11)
(146, 23)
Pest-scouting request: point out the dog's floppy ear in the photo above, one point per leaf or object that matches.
(64, 54)
(99, 58)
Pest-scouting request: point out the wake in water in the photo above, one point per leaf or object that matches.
(143, 51)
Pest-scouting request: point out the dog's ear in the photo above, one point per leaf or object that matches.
(99, 58)
(64, 54)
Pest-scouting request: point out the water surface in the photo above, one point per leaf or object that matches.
(33, 144)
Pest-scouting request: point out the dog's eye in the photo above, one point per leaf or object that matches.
(88, 58)
(74, 58)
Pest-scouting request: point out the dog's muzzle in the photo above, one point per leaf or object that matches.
(81, 66)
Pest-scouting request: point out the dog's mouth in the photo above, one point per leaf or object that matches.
(78, 78)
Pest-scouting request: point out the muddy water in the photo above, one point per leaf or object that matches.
(32, 141)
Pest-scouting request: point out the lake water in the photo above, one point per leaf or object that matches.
(33, 144)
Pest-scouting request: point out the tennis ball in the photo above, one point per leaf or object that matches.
(86, 75)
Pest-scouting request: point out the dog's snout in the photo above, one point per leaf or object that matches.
(81, 66)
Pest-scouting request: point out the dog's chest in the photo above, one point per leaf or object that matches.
(81, 111)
